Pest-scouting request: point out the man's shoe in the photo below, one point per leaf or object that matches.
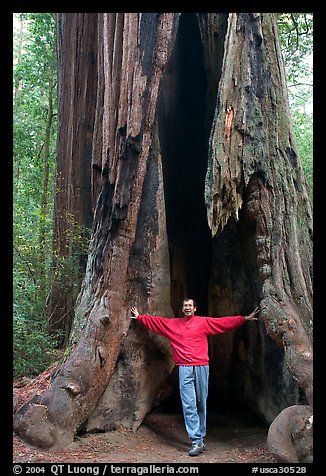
(195, 450)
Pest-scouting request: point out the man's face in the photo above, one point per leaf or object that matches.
(188, 308)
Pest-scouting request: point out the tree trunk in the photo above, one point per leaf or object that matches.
(200, 193)
(77, 70)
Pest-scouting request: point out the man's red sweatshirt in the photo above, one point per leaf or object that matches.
(188, 335)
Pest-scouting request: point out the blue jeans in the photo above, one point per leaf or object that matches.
(193, 384)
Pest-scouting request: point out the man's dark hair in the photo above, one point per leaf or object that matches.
(189, 299)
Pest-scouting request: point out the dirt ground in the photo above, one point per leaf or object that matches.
(233, 436)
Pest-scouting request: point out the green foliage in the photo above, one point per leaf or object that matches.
(33, 348)
(34, 57)
(296, 31)
(296, 34)
(303, 125)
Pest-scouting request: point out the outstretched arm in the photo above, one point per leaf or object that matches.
(134, 312)
(251, 317)
(158, 324)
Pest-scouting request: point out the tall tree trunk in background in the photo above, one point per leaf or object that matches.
(199, 191)
(46, 171)
(77, 70)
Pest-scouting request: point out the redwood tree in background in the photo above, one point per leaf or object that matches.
(179, 126)
(77, 73)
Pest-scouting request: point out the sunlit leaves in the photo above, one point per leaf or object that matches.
(296, 34)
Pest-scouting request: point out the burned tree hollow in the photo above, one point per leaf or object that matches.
(184, 132)
(185, 114)
(220, 272)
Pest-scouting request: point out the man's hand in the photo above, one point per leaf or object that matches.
(251, 316)
(134, 313)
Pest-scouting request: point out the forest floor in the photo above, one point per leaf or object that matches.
(233, 436)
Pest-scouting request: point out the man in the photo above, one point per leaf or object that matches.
(189, 346)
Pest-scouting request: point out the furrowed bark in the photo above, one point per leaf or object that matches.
(197, 190)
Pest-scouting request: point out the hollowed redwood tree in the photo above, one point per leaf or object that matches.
(175, 137)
